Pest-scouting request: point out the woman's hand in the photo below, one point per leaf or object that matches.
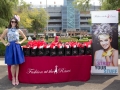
(18, 42)
(7, 44)
(107, 53)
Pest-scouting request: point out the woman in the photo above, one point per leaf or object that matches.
(42, 40)
(56, 40)
(108, 56)
(14, 54)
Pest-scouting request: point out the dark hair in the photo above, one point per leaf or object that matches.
(17, 26)
(41, 37)
(33, 38)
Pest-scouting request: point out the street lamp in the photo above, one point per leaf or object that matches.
(40, 4)
(47, 20)
(54, 4)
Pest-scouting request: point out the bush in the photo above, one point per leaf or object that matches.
(2, 49)
(2, 29)
(85, 38)
(119, 37)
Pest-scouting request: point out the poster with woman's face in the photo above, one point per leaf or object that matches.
(105, 43)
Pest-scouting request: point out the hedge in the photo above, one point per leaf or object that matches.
(77, 37)
(2, 47)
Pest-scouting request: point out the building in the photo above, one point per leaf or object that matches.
(67, 19)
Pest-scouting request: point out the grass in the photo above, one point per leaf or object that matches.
(62, 39)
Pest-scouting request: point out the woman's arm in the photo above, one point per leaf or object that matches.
(115, 58)
(23, 35)
(3, 36)
(108, 60)
(114, 61)
(95, 58)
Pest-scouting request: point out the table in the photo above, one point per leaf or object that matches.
(47, 69)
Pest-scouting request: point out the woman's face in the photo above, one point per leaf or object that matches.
(13, 23)
(105, 41)
(42, 38)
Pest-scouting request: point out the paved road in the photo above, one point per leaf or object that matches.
(97, 82)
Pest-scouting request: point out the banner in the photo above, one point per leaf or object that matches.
(105, 42)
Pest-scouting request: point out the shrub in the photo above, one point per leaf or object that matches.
(2, 49)
(85, 38)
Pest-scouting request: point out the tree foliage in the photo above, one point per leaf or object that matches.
(23, 6)
(110, 4)
(105, 4)
(89, 21)
(25, 20)
(6, 11)
(39, 19)
(22, 10)
(2, 29)
(81, 5)
(31, 18)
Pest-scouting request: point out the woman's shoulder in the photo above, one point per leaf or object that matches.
(6, 30)
(19, 30)
(101, 50)
(115, 51)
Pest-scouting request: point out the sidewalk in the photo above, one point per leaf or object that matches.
(96, 82)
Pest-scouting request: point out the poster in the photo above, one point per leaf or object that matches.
(105, 42)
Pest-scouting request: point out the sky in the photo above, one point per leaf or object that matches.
(57, 2)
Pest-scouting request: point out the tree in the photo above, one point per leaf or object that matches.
(39, 19)
(2, 29)
(105, 4)
(6, 12)
(31, 19)
(22, 10)
(89, 21)
(81, 5)
(111, 5)
(25, 20)
(23, 6)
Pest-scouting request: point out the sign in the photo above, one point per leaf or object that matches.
(56, 70)
(105, 42)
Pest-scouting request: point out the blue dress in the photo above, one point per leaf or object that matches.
(13, 54)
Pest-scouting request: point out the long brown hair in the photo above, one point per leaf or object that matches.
(17, 26)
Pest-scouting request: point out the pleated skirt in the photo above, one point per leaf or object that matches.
(14, 54)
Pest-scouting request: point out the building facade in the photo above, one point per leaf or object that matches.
(66, 18)
(70, 17)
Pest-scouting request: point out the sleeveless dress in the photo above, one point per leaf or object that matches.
(13, 54)
(99, 60)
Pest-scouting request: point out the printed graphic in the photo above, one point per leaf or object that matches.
(56, 70)
(105, 42)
